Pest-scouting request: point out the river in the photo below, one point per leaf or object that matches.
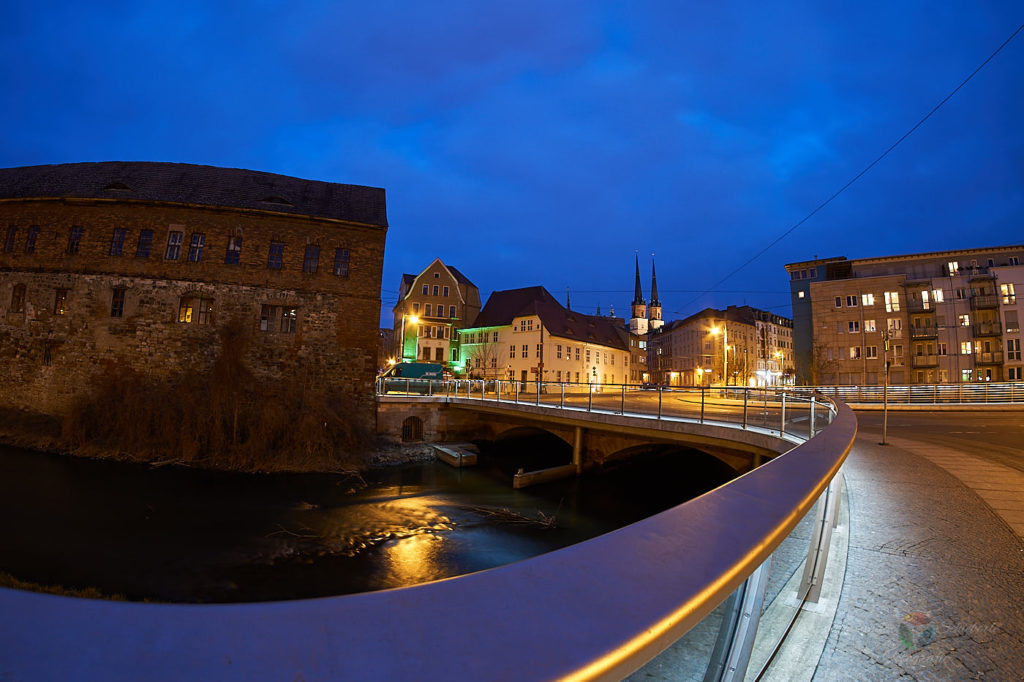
(184, 535)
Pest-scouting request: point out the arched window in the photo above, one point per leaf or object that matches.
(412, 430)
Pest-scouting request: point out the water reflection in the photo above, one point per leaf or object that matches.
(184, 535)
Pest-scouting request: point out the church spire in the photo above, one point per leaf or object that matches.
(655, 322)
(638, 295)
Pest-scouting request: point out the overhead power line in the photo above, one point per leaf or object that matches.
(860, 174)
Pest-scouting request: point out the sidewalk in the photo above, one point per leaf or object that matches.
(934, 585)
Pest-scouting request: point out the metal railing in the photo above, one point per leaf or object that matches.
(778, 410)
(979, 393)
(599, 609)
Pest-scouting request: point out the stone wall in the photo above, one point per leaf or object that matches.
(51, 353)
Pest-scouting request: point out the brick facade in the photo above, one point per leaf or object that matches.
(69, 315)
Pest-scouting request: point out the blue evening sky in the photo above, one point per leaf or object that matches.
(546, 142)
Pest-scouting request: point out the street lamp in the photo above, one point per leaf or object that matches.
(724, 331)
(414, 319)
(781, 357)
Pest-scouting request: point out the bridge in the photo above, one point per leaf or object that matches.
(596, 610)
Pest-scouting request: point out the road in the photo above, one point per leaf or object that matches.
(993, 436)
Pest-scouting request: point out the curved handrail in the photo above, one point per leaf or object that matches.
(598, 609)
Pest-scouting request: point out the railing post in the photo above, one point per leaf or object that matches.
(810, 433)
(782, 424)
(659, 403)
(986, 392)
(497, 390)
(590, 397)
(517, 391)
(561, 403)
(622, 406)
(746, 394)
(701, 404)
(408, 387)
(536, 399)
(960, 392)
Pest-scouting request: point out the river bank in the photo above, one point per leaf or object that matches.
(42, 432)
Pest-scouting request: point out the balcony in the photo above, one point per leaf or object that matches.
(918, 306)
(920, 361)
(977, 273)
(924, 333)
(984, 301)
(993, 358)
(988, 328)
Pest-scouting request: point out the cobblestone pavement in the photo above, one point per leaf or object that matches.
(934, 585)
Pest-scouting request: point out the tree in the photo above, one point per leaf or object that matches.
(483, 360)
(824, 365)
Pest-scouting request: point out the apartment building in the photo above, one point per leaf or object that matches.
(939, 317)
(741, 346)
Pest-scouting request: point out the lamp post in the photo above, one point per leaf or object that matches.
(414, 319)
(724, 331)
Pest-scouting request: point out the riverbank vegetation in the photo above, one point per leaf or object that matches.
(225, 418)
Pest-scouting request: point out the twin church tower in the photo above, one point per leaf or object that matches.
(644, 318)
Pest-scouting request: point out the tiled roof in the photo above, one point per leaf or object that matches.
(191, 184)
(503, 306)
(459, 276)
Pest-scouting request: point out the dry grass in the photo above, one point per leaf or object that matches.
(225, 418)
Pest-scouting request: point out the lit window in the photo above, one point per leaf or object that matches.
(195, 309)
(867, 299)
(289, 320)
(1009, 297)
(60, 300)
(195, 247)
(869, 325)
(854, 352)
(965, 348)
(937, 295)
(145, 244)
(964, 320)
(173, 246)
(953, 267)
(799, 294)
(275, 257)
(892, 301)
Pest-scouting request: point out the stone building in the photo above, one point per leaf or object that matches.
(108, 267)
(947, 317)
(432, 307)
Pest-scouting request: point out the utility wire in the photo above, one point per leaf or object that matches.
(859, 175)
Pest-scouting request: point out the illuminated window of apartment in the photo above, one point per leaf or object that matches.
(799, 294)
(30, 240)
(233, 255)
(952, 267)
(17, 299)
(867, 299)
(195, 247)
(892, 301)
(965, 348)
(60, 301)
(1009, 297)
(964, 320)
(195, 309)
(12, 233)
(855, 352)
(311, 259)
(275, 256)
(937, 295)
(173, 250)
(117, 241)
(117, 302)
(926, 303)
(145, 244)
(341, 262)
(966, 374)
(869, 325)
(75, 239)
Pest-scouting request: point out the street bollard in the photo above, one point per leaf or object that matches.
(810, 433)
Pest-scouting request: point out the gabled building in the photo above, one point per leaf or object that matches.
(527, 335)
(432, 307)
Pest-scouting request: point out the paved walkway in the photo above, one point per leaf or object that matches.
(934, 585)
